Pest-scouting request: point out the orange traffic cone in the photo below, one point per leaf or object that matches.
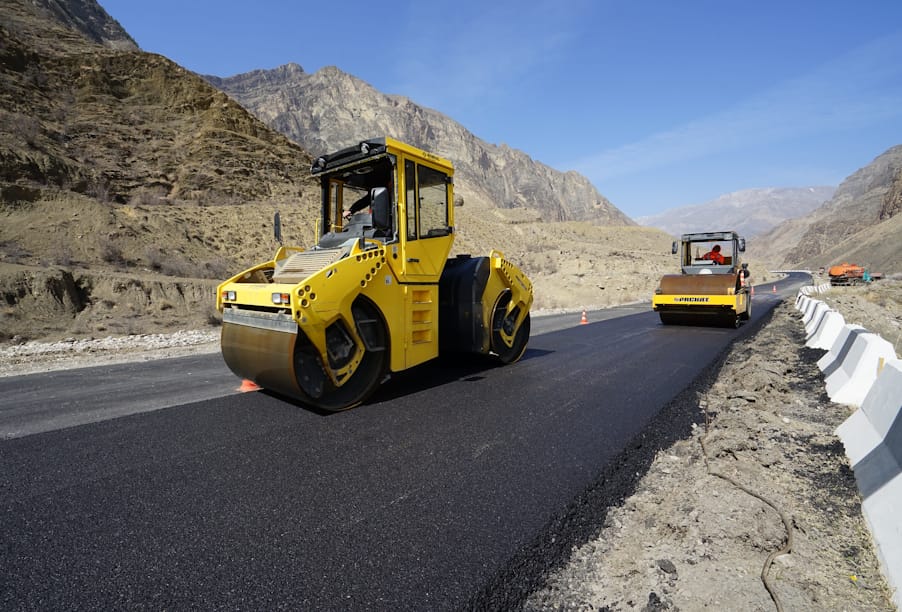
(248, 385)
(583, 320)
(775, 289)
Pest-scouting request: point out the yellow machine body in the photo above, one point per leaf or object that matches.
(378, 294)
(708, 291)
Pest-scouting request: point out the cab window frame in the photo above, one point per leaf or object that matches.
(427, 201)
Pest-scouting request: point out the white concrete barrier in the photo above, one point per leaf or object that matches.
(810, 290)
(824, 335)
(813, 308)
(862, 369)
(872, 436)
(807, 307)
(850, 381)
(806, 310)
(815, 316)
(840, 346)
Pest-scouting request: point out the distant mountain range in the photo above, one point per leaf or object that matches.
(860, 223)
(750, 212)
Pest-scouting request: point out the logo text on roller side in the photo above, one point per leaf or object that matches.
(690, 299)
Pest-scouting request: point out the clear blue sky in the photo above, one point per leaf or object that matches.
(659, 103)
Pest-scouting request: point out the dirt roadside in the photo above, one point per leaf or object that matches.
(708, 523)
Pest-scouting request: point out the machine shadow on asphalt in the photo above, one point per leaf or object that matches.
(444, 370)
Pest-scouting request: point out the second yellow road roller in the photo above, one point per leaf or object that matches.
(378, 293)
(712, 287)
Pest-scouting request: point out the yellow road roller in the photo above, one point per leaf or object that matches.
(712, 288)
(378, 293)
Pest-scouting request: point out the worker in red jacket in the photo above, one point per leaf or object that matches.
(714, 255)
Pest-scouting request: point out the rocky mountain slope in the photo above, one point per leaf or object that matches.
(88, 18)
(330, 109)
(116, 164)
(129, 186)
(750, 212)
(860, 223)
(125, 127)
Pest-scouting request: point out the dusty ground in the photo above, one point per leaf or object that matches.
(33, 357)
(760, 500)
(764, 488)
(877, 307)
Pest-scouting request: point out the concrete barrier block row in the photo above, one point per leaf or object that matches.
(872, 436)
(854, 355)
(814, 289)
(861, 368)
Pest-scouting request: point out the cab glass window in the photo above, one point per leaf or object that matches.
(433, 202)
(427, 201)
(410, 180)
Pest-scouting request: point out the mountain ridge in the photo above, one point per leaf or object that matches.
(750, 212)
(329, 109)
(860, 223)
(129, 186)
(91, 20)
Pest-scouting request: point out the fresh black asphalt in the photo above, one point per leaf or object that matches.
(441, 493)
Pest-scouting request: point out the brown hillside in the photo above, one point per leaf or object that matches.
(121, 161)
(856, 224)
(89, 19)
(129, 186)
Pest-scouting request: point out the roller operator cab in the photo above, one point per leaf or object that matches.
(712, 287)
(378, 293)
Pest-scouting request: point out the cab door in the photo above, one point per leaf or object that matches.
(425, 237)
(426, 232)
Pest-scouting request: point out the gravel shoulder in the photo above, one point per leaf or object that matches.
(32, 357)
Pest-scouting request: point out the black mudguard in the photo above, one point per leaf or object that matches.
(461, 290)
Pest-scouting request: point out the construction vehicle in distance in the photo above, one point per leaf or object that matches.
(845, 274)
(712, 287)
(377, 294)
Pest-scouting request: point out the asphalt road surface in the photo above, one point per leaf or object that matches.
(455, 487)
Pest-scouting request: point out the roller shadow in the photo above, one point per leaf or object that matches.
(441, 371)
(435, 373)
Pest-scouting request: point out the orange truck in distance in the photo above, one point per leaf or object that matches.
(845, 274)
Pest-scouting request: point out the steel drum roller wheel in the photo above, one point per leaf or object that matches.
(508, 354)
(316, 388)
(668, 319)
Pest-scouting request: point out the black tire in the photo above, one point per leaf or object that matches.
(508, 354)
(731, 319)
(317, 389)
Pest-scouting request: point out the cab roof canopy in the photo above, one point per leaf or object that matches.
(709, 236)
(373, 148)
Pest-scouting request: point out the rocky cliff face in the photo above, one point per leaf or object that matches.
(126, 181)
(124, 126)
(855, 207)
(119, 161)
(88, 18)
(892, 202)
(857, 224)
(331, 109)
